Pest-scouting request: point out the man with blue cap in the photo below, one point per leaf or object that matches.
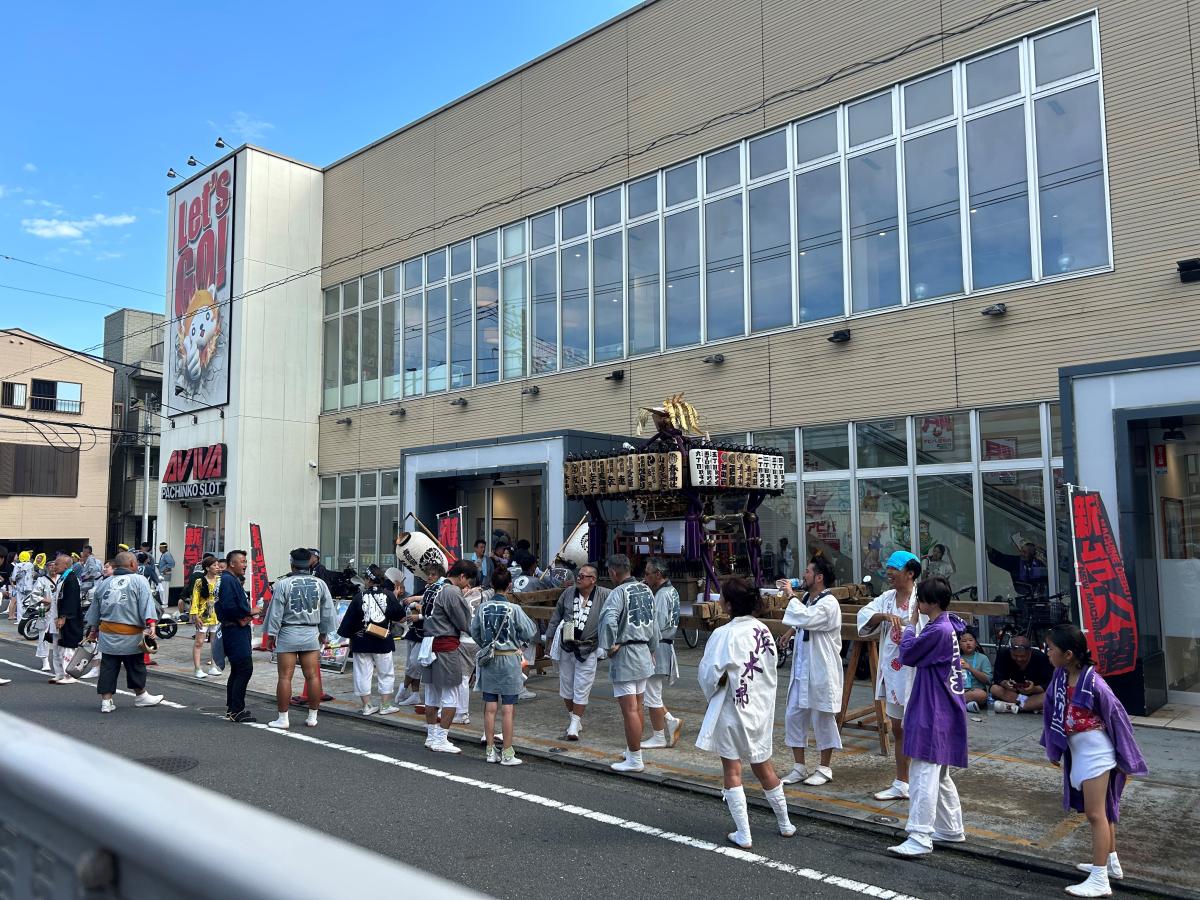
(888, 615)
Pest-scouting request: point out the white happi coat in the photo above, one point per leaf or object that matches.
(738, 676)
(817, 662)
(895, 683)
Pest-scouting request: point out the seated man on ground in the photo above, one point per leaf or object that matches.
(1022, 676)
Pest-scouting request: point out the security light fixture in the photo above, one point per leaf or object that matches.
(399, 411)
(192, 161)
(220, 144)
(841, 336)
(995, 310)
(459, 401)
(345, 421)
(615, 375)
(531, 391)
(1173, 431)
(715, 358)
(1189, 270)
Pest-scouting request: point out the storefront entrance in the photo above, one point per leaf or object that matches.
(505, 507)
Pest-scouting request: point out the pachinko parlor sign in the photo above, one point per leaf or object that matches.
(195, 474)
(198, 329)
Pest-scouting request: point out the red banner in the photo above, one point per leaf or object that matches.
(450, 533)
(193, 547)
(1107, 605)
(260, 587)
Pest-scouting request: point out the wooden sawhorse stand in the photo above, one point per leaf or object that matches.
(869, 718)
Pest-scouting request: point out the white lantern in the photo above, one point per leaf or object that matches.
(575, 548)
(415, 551)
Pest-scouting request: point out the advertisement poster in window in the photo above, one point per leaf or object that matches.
(200, 292)
(936, 432)
(999, 448)
(336, 652)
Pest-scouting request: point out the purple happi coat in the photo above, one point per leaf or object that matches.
(1091, 692)
(935, 717)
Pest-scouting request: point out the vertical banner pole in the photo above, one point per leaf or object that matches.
(1075, 558)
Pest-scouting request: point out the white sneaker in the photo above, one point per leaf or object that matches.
(281, 721)
(798, 774)
(820, 775)
(972, 706)
(410, 700)
(573, 728)
(370, 709)
(390, 709)
(311, 720)
(1095, 885)
(527, 694)
(199, 673)
(92, 673)
(509, 758)
(443, 745)
(462, 719)
(214, 671)
(147, 699)
(658, 741)
(1001, 706)
(67, 679)
(107, 706)
(898, 791)
(910, 849)
(493, 755)
(46, 668)
(631, 763)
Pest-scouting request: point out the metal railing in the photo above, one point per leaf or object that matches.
(54, 404)
(77, 822)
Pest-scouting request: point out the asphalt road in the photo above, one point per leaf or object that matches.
(620, 836)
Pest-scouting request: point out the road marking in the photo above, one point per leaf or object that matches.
(88, 683)
(858, 887)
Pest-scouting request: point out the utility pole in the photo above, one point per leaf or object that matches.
(146, 403)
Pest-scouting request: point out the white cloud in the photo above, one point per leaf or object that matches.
(6, 191)
(243, 128)
(107, 254)
(29, 167)
(74, 228)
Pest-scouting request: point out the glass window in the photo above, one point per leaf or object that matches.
(347, 519)
(1014, 533)
(368, 529)
(768, 154)
(816, 138)
(946, 531)
(783, 440)
(883, 442)
(819, 237)
(576, 317)
(1064, 53)
(391, 281)
(330, 367)
(389, 527)
(414, 364)
(333, 300)
(460, 258)
(826, 448)
(1063, 530)
(542, 230)
(1011, 433)
(642, 197)
(414, 273)
(516, 325)
(393, 353)
(884, 524)
(827, 528)
(934, 226)
(874, 235)
(778, 521)
(545, 313)
(485, 250)
(328, 535)
(608, 310)
(435, 266)
(681, 184)
(349, 487)
(367, 483)
(943, 438)
(460, 333)
(1056, 437)
(487, 328)
(370, 288)
(771, 256)
(723, 169)
(329, 488)
(723, 246)
(349, 294)
(370, 355)
(994, 77)
(929, 99)
(681, 234)
(389, 482)
(643, 288)
(606, 209)
(514, 240)
(1071, 180)
(350, 393)
(435, 339)
(574, 220)
(870, 120)
(999, 198)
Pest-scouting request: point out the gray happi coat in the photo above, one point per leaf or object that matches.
(504, 627)
(301, 604)
(628, 620)
(565, 609)
(449, 617)
(125, 599)
(666, 612)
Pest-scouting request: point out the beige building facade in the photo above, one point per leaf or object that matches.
(54, 470)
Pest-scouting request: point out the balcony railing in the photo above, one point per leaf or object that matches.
(54, 404)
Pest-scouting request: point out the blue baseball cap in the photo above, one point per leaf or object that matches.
(899, 559)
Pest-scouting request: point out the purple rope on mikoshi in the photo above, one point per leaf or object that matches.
(754, 535)
(597, 531)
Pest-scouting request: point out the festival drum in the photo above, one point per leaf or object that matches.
(416, 550)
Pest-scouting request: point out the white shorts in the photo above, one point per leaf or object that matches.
(654, 692)
(441, 698)
(206, 629)
(575, 678)
(1091, 755)
(799, 722)
(629, 688)
(366, 665)
(894, 710)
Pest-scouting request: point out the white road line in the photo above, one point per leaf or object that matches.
(89, 683)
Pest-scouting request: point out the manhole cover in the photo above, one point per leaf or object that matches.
(172, 765)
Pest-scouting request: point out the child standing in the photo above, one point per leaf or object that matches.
(935, 722)
(1085, 728)
(499, 627)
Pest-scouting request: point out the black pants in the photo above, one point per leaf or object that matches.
(110, 667)
(240, 671)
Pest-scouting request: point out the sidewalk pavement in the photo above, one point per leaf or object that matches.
(1011, 795)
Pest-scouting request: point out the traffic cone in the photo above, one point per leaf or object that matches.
(301, 699)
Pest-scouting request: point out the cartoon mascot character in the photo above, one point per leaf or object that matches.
(197, 339)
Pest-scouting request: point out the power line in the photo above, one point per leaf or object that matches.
(127, 287)
(12, 287)
(847, 71)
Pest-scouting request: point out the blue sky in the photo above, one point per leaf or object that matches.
(101, 99)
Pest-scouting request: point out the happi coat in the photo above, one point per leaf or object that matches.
(666, 612)
(935, 718)
(816, 662)
(739, 679)
(893, 684)
(628, 619)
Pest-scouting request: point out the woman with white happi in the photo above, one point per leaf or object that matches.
(738, 676)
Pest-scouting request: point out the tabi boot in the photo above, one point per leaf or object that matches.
(658, 741)
(1095, 885)
(798, 774)
(1115, 872)
(779, 805)
(735, 799)
(631, 763)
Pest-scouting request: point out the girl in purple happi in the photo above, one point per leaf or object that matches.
(935, 722)
(1086, 731)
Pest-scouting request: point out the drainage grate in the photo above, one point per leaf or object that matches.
(171, 765)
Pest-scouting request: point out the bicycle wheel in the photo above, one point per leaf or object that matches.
(167, 631)
(691, 637)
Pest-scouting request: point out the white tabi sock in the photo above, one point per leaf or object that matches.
(779, 804)
(735, 799)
